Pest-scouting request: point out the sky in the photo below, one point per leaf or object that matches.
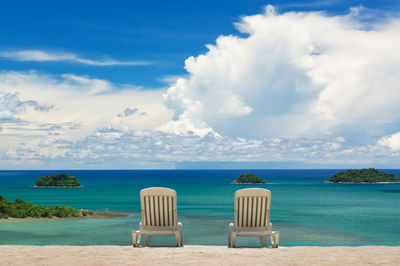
(199, 84)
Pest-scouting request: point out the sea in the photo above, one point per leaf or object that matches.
(306, 211)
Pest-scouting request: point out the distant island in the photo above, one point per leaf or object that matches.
(249, 179)
(370, 175)
(21, 209)
(58, 180)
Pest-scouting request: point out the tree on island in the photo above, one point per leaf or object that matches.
(249, 179)
(58, 180)
(21, 209)
(370, 175)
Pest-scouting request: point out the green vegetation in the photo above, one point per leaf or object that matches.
(249, 179)
(21, 209)
(370, 175)
(59, 180)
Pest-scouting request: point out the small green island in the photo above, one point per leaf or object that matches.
(58, 180)
(249, 179)
(370, 175)
(21, 209)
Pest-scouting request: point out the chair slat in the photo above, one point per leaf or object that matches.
(266, 212)
(240, 212)
(171, 210)
(166, 215)
(248, 216)
(152, 222)
(259, 207)
(145, 211)
(166, 211)
(254, 211)
(144, 207)
(263, 211)
(245, 204)
(156, 211)
(161, 208)
(149, 210)
(249, 211)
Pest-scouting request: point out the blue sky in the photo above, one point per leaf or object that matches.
(164, 33)
(177, 84)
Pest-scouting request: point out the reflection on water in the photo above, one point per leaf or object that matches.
(392, 190)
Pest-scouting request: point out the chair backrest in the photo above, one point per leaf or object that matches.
(252, 206)
(158, 206)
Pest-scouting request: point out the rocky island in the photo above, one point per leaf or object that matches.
(21, 209)
(249, 179)
(58, 180)
(370, 175)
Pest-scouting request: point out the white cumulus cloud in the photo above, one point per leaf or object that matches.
(295, 74)
(392, 141)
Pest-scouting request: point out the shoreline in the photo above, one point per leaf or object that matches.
(103, 215)
(330, 182)
(198, 255)
(36, 186)
(233, 183)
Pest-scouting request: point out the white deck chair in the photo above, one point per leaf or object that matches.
(252, 208)
(159, 215)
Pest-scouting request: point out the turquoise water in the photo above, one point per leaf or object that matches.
(304, 209)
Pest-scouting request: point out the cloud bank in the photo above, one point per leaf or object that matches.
(302, 87)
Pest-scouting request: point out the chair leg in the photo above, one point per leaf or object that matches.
(264, 241)
(233, 239)
(146, 240)
(276, 240)
(180, 234)
(138, 240)
(134, 238)
(230, 236)
(177, 238)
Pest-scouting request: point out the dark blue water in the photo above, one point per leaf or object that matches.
(304, 209)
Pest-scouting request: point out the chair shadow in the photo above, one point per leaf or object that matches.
(158, 246)
(269, 247)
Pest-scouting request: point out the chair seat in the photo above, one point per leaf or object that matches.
(158, 232)
(255, 232)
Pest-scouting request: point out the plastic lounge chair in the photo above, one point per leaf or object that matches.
(252, 208)
(159, 216)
